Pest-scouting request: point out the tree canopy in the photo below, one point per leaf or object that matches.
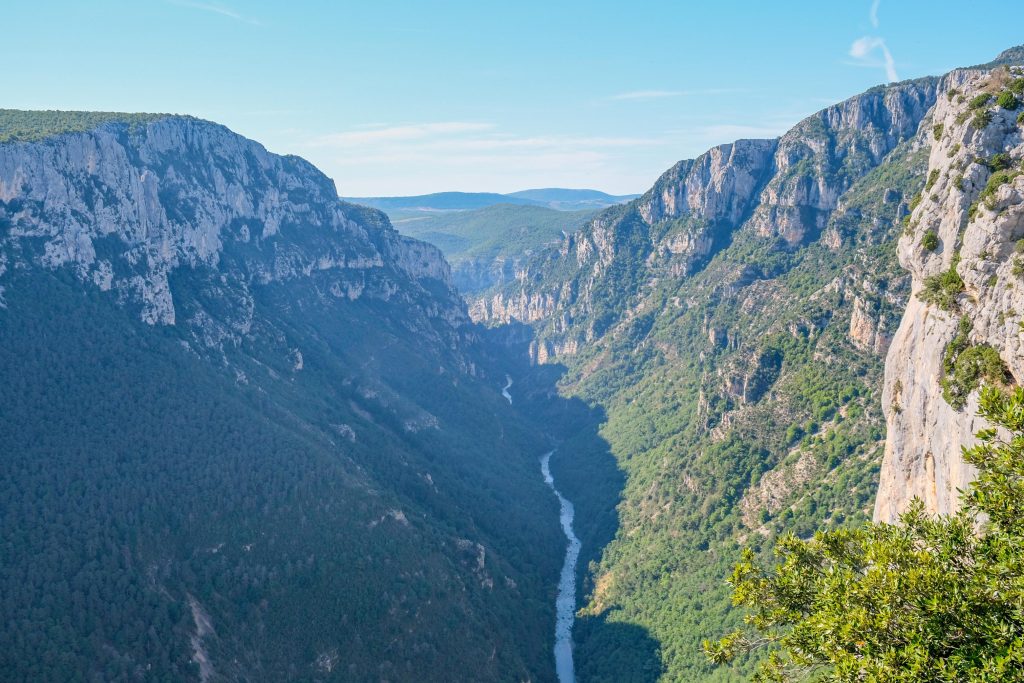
(933, 598)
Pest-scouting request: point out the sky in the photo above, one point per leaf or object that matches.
(399, 98)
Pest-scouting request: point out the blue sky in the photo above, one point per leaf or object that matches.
(392, 97)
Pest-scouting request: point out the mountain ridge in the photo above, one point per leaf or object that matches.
(733, 323)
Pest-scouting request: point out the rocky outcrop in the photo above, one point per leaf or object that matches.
(867, 329)
(128, 207)
(785, 190)
(968, 223)
(821, 157)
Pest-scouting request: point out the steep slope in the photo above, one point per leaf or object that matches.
(486, 247)
(731, 324)
(247, 431)
(963, 324)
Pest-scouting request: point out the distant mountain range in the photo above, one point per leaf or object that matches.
(552, 198)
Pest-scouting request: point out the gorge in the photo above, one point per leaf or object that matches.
(254, 432)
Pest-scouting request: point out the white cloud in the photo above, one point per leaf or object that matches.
(874, 12)
(462, 155)
(373, 134)
(863, 51)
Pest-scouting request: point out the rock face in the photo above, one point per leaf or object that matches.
(785, 189)
(976, 232)
(129, 207)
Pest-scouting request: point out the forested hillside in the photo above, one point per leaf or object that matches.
(731, 327)
(247, 432)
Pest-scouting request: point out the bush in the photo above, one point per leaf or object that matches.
(937, 131)
(1000, 161)
(933, 177)
(1018, 267)
(964, 365)
(930, 241)
(981, 119)
(979, 101)
(942, 289)
(1017, 86)
(995, 181)
(1007, 100)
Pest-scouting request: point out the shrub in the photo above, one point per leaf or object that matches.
(933, 177)
(1007, 100)
(967, 368)
(995, 181)
(972, 210)
(930, 240)
(979, 101)
(958, 182)
(915, 201)
(1017, 86)
(937, 131)
(1020, 118)
(942, 289)
(981, 119)
(953, 150)
(1018, 267)
(1000, 161)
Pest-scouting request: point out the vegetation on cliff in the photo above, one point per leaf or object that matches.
(928, 599)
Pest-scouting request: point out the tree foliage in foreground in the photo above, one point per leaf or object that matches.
(931, 599)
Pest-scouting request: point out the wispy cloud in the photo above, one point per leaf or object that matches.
(467, 150)
(865, 51)
(375, 134)
(871, 51)
(214, 8)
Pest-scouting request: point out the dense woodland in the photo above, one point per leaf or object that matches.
(136, 482)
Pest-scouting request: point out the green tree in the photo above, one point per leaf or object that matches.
(930, 599)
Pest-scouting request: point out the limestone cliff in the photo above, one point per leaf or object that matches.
(785, 189)
(961, 248)
(129, 207)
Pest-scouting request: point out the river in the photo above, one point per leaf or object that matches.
(565, 602)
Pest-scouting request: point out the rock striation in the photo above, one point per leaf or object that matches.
(130, 207)
(972, 213)
(785, 189)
